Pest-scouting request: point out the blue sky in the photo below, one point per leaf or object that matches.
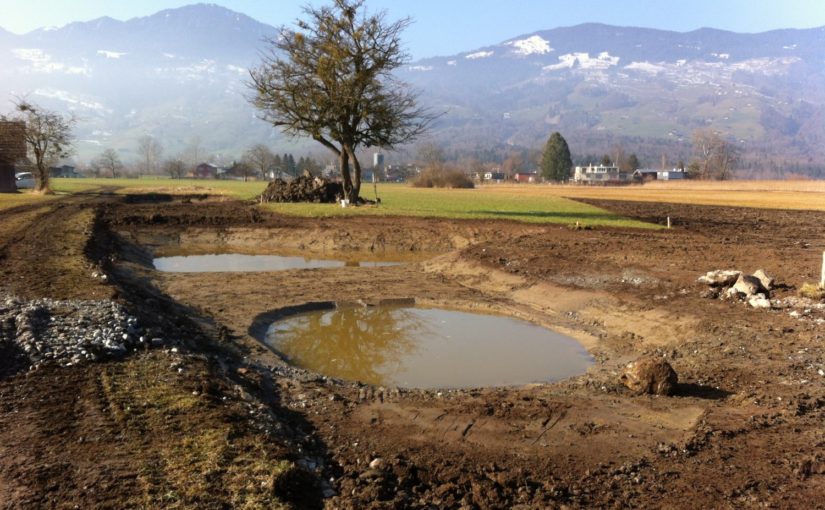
(446, 27)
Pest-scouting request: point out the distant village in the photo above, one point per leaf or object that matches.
(16, 169)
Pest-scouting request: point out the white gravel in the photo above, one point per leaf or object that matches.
(69, 332)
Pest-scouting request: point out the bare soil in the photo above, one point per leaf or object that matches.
(214, 420)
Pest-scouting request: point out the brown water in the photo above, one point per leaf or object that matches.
(426, 347)
(234, 262)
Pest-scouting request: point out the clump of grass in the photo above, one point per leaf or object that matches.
(442, 177)
(191, 452)
(812, 291)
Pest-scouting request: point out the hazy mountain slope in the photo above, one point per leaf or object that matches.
(179, 74)
(603, 85)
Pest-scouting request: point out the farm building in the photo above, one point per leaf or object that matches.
(494, 176)
(670, 175)
(208, 171)
(63, 171)
(601, 174)
(12, 148)
(526, 177)
(648, 174)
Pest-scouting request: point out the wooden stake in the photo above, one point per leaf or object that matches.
(668, 222)
(822, 279)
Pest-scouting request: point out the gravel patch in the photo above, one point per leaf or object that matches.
(69, 332)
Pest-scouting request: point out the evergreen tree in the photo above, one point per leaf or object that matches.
(291, 167)
(555, 161)
(277, 165)
(633, 162)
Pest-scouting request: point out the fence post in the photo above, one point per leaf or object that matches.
(822, 279)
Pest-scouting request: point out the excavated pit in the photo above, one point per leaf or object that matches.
(399, 345)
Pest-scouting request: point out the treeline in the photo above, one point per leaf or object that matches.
(257, 162)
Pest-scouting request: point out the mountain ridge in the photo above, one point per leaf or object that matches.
(179, 74)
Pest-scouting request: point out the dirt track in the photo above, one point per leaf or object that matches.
(744, 429)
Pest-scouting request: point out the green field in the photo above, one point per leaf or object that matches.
(486, 203)
(481, 203)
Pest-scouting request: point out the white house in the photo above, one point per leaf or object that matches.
(601, 174)
(670, 175)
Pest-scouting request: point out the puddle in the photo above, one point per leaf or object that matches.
(234, 262)
(425, 347)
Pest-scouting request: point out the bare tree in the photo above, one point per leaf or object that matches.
(242, 169)
(48, 138)
(110, 162)
(150, 151)
(430, 155)
(513, 164)
(260, 159)
(175, 167)
(716, 156)
(332, 80)
(193, 153)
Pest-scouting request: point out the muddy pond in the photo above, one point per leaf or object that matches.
(429, 348)
(235, 262)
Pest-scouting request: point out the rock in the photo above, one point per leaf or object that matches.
(759, 301)
(720, 277)
(652, 376)
(377, 463)
(731, 293)
(69, 332)
(764, 279)
(748, 285)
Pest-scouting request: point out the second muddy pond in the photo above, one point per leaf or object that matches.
(234, 262)
(426, 347)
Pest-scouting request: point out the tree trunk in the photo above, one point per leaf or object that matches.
(356, 182)
(41, 184)
(343, 160)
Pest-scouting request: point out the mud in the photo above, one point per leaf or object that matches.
(743, 428)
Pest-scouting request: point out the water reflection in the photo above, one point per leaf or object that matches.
(363, 344)
(425, 348)
(235, 262)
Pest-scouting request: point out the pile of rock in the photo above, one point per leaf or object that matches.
(731, 284)
(68, 332)
(305, 188)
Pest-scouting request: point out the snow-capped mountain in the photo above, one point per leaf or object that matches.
(645, 89)
(179, 74)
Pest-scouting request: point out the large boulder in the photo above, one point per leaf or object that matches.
(749, 285)
(759, 301)
(720, 277)
(764, 279)
(653, 376)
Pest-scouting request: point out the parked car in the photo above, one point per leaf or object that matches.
(24, 180)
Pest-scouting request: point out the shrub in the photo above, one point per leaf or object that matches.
(442, 177)
(812, 291)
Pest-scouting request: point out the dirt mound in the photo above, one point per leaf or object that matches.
(305, 188)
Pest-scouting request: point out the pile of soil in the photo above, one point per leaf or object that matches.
(305, 188)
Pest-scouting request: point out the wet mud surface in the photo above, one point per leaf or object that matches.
(211, 418)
